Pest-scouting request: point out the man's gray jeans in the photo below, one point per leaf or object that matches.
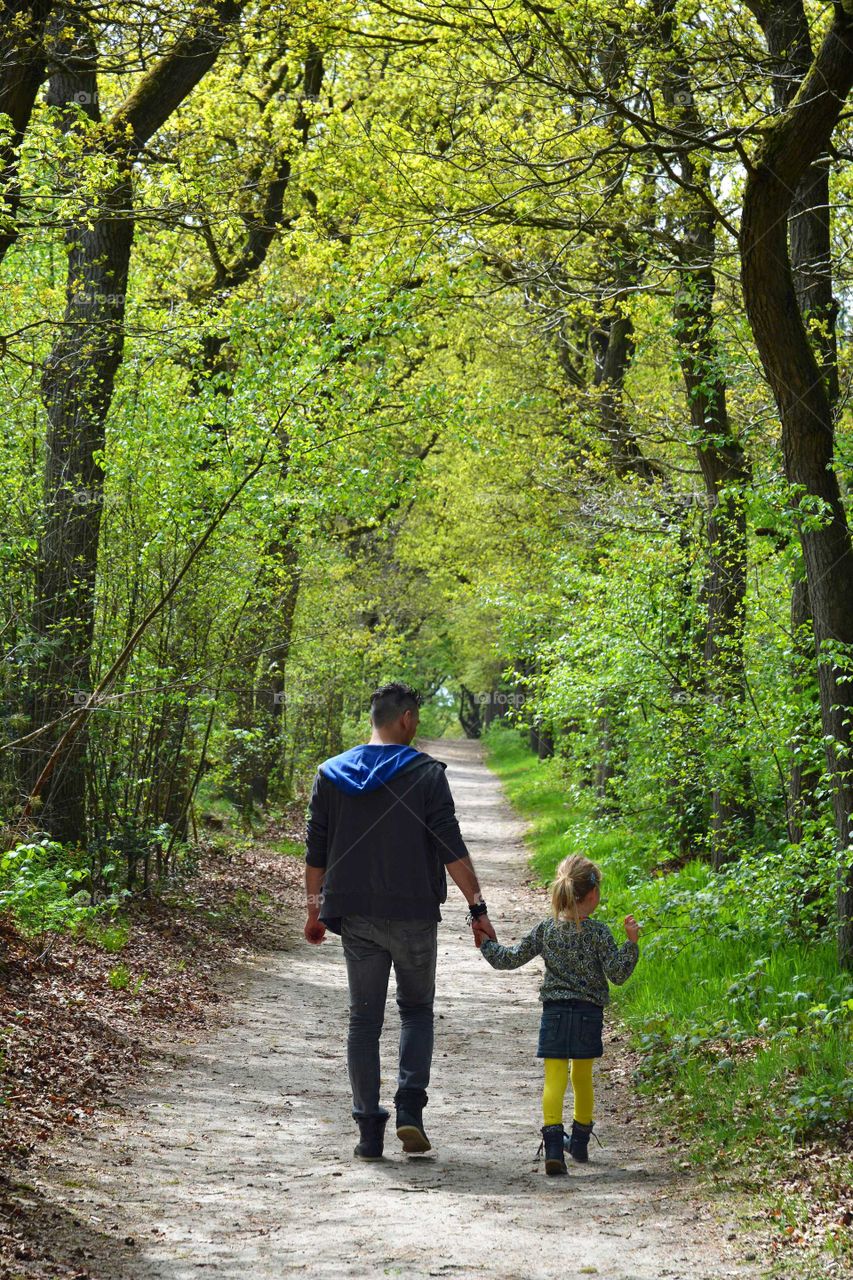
(371, 946)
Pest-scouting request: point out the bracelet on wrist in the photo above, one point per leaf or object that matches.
(475, 910)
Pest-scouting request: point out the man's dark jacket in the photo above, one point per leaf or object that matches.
(383, 825)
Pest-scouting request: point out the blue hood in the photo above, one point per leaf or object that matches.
(367, 766)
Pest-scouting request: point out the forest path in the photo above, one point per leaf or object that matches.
(234, 1157)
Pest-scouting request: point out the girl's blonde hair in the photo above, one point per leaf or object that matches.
(574, 878)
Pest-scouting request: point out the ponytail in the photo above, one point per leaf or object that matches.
(574, 878)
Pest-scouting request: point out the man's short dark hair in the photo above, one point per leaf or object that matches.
(389, 701)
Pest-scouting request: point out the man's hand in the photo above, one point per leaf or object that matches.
(632, 929)
(482, 928)
(315, 930)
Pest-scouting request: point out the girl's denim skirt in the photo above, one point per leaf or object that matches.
(570, 1029)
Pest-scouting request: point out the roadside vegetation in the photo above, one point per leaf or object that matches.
(738, 1015)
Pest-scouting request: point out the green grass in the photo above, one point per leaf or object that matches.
(111, 937)
(291, 848)
(742, 1028)
(120, 979)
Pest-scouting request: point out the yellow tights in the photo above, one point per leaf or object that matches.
(556, 1081)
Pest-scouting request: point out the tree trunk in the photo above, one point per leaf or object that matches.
(23, 66)
(77, 385)
(684, 783)
(541, 741)
(270, 630)
(725, 472)
(788, 38)
(469, 713)
(78, 378)
(804, 777)
(791, 144)
(722, 461)
(612, 343)
(786, 30)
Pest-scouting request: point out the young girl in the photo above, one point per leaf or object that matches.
(580, 955)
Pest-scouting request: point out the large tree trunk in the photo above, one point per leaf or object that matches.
(78, 378)
(491, 711)
(77, 385)
(791, 145)
(23, 68)
(786, 30)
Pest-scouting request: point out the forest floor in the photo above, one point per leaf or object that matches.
(232, 1157)
(81, 1013)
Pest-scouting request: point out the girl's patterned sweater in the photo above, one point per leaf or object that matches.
(578, 963)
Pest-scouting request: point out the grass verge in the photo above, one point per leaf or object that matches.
(739, 1030)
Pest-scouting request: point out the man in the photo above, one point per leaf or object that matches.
(382, 829)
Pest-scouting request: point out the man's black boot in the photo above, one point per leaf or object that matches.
(372, 1130)
(410, 1104)
(552, 1140)
(578, 1144)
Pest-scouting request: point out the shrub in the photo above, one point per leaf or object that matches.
(42, 887)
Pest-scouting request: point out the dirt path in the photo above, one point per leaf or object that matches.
(234, 1159)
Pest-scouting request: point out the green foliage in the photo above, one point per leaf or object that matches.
(741, 1018)
(290, 848)
(437, 499)
(43, 885)
(111, 937)
(120, 979)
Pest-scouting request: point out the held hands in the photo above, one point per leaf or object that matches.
(482, 928)
(632, 929)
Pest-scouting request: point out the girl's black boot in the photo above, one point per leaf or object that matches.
(552, 1140)
(578, 1143)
